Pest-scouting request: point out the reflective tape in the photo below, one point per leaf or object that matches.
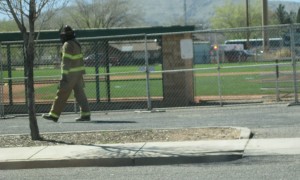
(72, 57)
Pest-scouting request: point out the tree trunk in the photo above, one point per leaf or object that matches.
(29, 57)
(30, 93)
(35, 135)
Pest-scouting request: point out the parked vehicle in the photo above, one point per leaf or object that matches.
(232, 52)
(238, 56)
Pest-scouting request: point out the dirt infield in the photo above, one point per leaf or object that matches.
(18, 92)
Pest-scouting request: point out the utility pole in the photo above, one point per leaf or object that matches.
(265, 12)
(265, 23)
(247, 13)
(184, 10)
(247, 23)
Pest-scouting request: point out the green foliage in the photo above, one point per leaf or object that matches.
(8, 25)
(298, 16)
(233, 15)
(283, 16)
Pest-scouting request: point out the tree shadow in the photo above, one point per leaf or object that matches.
(104, 122)
(56, 141)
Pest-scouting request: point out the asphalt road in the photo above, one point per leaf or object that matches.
(266, 121)
(252, 168)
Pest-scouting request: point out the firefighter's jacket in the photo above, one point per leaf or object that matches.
(72, 58)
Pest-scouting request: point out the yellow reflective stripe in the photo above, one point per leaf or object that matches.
(77, 69)
(72, 57)
(53, 114)
(65, 72)
(73, 70)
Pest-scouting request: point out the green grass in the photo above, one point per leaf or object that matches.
(230, 85)
(205, 81)
(118, 89)
(202, 68)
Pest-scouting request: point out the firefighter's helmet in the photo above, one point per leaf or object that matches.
(66, 33)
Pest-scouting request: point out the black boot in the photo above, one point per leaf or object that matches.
(49, 117)
(83, 118)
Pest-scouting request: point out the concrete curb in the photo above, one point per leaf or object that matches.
(245, 132)
(118, 162)
(133, 154)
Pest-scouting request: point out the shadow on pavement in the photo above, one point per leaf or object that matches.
(104, 122)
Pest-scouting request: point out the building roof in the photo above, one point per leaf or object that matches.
(85, 33)
(138, 45)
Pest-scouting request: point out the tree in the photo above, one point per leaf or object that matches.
(102, 14)
(232, 15)
(283, 16)
(298, 16)
(22, 11)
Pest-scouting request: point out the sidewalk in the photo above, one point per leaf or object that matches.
(133, 154)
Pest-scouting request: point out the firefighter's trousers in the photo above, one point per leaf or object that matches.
(73, 81)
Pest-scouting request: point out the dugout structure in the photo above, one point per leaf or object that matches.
(177, 86)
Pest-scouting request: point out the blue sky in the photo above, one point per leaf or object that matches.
(3, 16)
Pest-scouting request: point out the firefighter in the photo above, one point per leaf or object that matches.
(72, 70)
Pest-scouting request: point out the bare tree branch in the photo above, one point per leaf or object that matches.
(21, 11)
(101, 13)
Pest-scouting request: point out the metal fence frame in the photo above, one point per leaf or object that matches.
(148, 103)
(294, 64)
(2, 114)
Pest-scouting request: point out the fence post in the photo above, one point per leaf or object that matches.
(149, 106)
(107, 69)
(219, 74)
(277, 78)
(1, 85)
(97, 65)
(292, 33)
(9, 74)
(2, 112)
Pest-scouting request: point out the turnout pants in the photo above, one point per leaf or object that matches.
(68, 83)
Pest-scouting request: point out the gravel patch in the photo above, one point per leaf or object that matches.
(124, 136)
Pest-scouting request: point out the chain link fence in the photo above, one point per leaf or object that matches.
(149, 71)
(250, 63)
